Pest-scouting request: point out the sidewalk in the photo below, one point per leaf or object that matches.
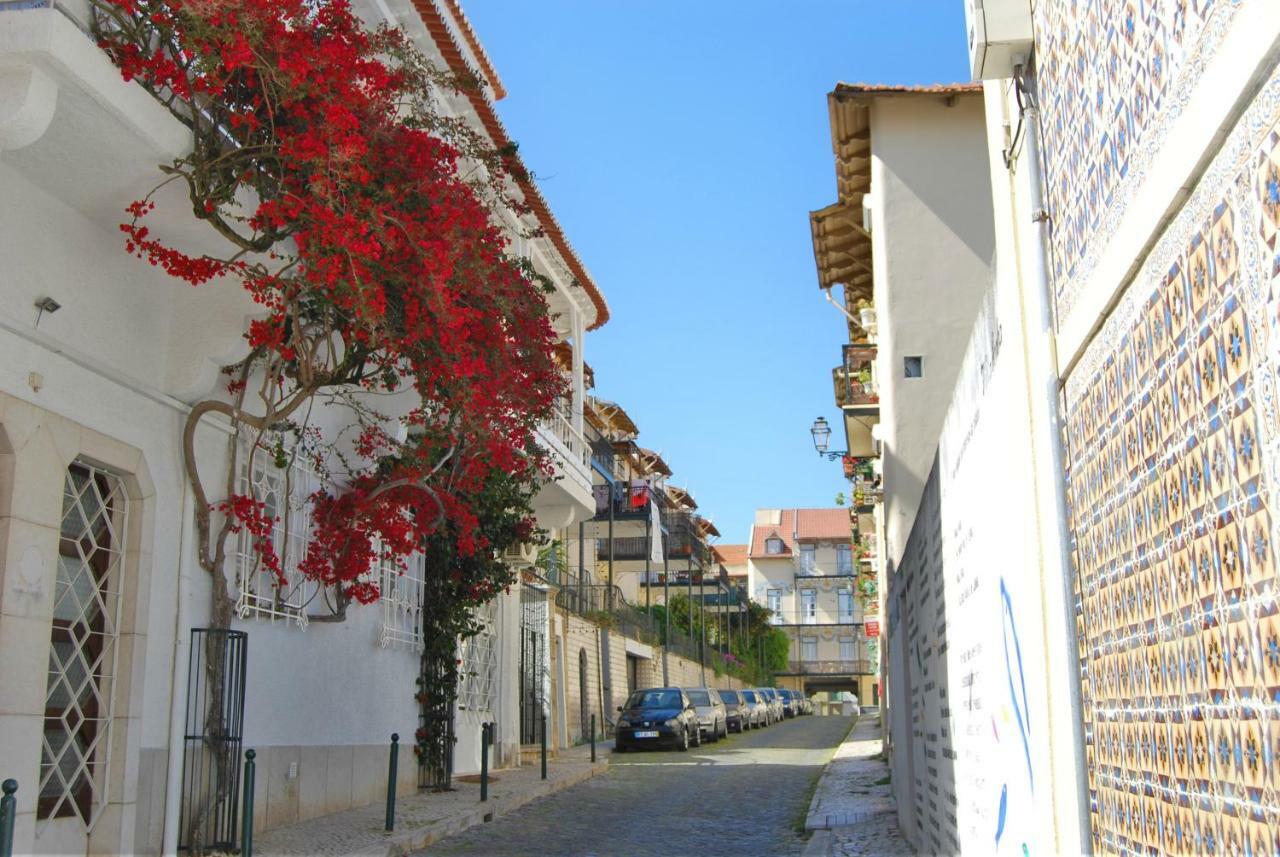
(853, 811)
(425, 818)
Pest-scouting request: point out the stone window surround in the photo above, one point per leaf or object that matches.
(36, 448)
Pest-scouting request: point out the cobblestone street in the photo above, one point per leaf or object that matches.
(746, 794)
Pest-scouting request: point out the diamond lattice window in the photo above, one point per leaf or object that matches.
(478, 678)
(286, 492)
(400, 591)
(75, 748)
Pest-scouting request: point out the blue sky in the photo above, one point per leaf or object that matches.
(681, 144)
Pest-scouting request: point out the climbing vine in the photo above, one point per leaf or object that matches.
(362, 220)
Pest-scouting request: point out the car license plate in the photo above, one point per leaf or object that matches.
(646, 734)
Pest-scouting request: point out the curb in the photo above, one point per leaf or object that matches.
(418, 838)
(820, 844)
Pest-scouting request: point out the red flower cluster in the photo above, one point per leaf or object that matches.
(250, 515)
(379, 266)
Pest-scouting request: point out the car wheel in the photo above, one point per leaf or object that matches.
(684, 741)
(697, 736)
(724, 729)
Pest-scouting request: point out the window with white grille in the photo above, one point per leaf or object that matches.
(846, 605)
(848, 649)
(808, 648)
(83, 652)
(809, 606)
(400, 590)
(844, 559)
(478, 673)
(286, 493)
(774, 600)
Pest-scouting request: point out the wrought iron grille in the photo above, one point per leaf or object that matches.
(478, 677)
(534, 668)
(435, 718)
(83, 652)
(209, 817)
(286, 493)
(401, 596)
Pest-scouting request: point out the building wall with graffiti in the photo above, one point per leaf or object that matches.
(967, 687)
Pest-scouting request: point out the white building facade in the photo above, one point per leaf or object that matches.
(101, 587)
(1081, 628)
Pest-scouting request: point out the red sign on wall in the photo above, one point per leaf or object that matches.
(873, 627)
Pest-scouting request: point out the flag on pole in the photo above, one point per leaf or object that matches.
(655, 533)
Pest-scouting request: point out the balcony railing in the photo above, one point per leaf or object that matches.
(678, 578)
(838, 571)
(854, 381)
(627, 500)
(816, 618)
(605, 606)
(572, 446)
(832, 668)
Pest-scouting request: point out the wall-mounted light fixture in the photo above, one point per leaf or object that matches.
(44, 305)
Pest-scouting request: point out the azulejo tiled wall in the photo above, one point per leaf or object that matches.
(1173, 444)
(1114, 74)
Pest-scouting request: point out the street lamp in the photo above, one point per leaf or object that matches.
(821, 432)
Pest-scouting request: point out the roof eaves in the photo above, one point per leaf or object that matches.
(438, 29)
(843, 88)
(477, 50)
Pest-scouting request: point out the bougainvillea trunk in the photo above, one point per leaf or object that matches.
(371, 261)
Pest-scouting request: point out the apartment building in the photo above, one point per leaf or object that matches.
(801, 566)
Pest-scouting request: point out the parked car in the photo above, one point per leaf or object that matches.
(712, 717)
(737, 711)
(807, 704)
(757, 709)
(657, 716)
(789, 706)
(774, 702)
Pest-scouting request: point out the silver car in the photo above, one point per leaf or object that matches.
(713, 718)
(774, 702)
(757, 708)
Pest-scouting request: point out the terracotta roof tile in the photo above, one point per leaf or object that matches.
(760, 533)
(477, 50)
(729, 554)
(823, 524)
(801, 525)
(449, 48)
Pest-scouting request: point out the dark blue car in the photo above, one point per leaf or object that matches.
(656, 717)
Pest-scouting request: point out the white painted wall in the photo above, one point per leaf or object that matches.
(122, 358)
(932, 248)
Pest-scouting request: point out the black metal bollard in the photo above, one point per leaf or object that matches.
(593, 739)
(393, 765)
(246, 820)
(544, 745)
(8, 817)
(485, 737)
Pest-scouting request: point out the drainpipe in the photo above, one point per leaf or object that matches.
(1041, 364)
(181, 664)
(826, 290)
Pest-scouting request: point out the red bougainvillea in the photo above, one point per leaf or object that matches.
(362, 221)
